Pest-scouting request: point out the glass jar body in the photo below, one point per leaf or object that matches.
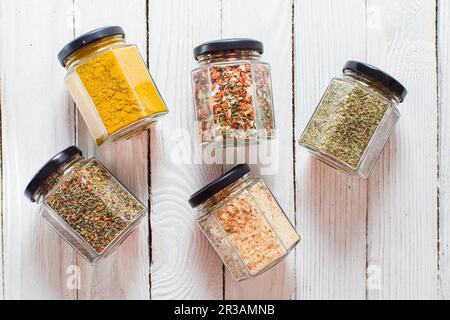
(89, 208)
(351, 124)
(113, 90)
(233, 98)
(247, 228)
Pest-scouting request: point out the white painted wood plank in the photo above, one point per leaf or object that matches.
(184, 265)
(125, 274)
(2, 279)
(331, 207)
(402, 221)
(1, 187)
(37, 123)
(444, 157)
(271, 23)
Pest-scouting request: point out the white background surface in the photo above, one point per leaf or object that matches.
(382, 238)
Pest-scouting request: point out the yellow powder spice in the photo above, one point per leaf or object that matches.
(120, 88)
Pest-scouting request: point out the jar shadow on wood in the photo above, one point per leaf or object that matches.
(50, 254)
(276, 278)
(264, 156)
(126, 258)
(335, 200)
(385, 164)
(386, 169)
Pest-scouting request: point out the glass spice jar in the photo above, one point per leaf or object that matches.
(111, 85)
(244, 223)
(84, 203)
(232, 92)
(354, 118)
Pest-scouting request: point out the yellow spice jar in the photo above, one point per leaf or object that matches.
(111, 85)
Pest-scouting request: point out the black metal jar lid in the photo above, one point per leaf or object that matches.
(46, 171)
(217, 185)
(88, 38)
(373, 72)
(228, 45)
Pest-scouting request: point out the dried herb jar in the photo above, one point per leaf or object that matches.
(84, 203)
(232, 92)
(244, 223)
(354, 118)
(111, 85)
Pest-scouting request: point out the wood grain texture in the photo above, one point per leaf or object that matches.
(444, 147)
(402, 209)
(331, 207)
(2, 278)
(396, 223)
(38, 123)
(125, 274)
(271, 23)
(184, 265)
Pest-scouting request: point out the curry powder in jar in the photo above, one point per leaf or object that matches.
(111, 85)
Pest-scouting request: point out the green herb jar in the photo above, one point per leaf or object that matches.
(84, 203)
(354, 118)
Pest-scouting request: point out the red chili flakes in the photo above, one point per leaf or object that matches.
(264, 97)
(226, 96)
(202, 98)
(233, 112)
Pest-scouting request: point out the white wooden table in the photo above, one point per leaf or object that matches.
(383, 238)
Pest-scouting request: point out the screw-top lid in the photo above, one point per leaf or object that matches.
(46, 171)
(228, 45)
(88, 38)
(385, 79)
(220, 183)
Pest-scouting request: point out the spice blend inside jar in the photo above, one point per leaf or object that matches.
(244, 223)
(94, 205)
(232, 92)
(111, 85)
(354, 118)
(84, 203)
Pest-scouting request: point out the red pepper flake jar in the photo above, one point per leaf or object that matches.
(244, 222)
(84, 203)
(232, 92)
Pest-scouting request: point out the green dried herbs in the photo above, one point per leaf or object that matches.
(345, 121)
(95, 205)
(263, 93)
(51, 181)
